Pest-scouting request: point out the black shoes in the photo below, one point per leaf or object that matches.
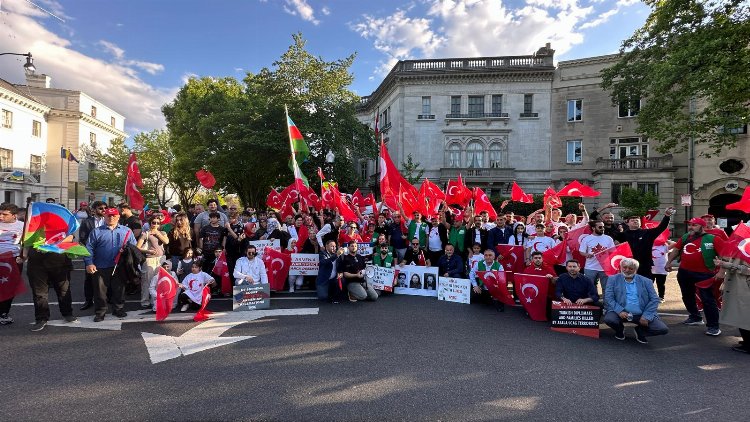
(119, 313)
(99, 318)
(87, 304)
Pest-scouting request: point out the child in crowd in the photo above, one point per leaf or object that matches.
(167, 265)
(183, 266)
(476, 255)
(192, 287)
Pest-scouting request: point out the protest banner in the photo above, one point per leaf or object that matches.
(381, 277)
(454, 289)
(251, 297)
(363, 248)
(260, 245)
(582, 320)
(417, 281)
(304, 264)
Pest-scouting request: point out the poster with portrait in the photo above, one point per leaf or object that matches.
(304, 264)
(454, 289)
(416, 281)
(261, 245)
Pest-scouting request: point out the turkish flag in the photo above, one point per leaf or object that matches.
(575, 188)
(556, 255)
(457, 193)
(290, 194)
(408, 201)
(303, 234)
(551, 198)
(370, 200)
(743, 204)
(390, 179)
(222, 269)
(205, 178)
(274, 200)
(358, 200)
(532, 292)
(497, 285)
(482, 203)
(277, 267)
(133, 181)
(517, 194)
(738, 244)
(203, 313)
(662, 238)
(457, 213)
(345, 209)
(512, 257)
(166, 290)
(574, 238)
(11, 283)
(431, 191)
(134, 172)
(610, 258)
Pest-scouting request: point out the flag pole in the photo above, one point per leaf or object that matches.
(68, 184)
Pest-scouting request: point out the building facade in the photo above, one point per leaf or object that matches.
(37, 122)
(485, 118)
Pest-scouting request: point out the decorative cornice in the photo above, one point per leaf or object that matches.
(609, 58)
(23, 101)
(79, 115)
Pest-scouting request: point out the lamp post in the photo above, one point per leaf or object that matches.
(29, 66)
(329, 161)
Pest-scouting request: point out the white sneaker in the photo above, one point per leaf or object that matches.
(184, 308)
(291, 288)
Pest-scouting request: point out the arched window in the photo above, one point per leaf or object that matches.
(496, 155)
(454, 156)
(474, 155)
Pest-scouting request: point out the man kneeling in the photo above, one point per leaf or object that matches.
(631, 297)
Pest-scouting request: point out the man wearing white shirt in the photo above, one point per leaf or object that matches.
(591, 245)
(250, 269)
(538, 243)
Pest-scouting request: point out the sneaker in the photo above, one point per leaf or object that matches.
(70, 318)
(5, 319)
(184, 308)
(662, 300)
(120, 313)
(291, 288)
(351, 299)
(693, 321)
(713, 332)
(39, 325)
(640, 336)
(87, 305)
(620, 336)
(99, 318)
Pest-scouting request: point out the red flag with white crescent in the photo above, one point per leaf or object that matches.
(166, 290)
(512, 257)
(743, 204)
(575, 188)
(221, 268)
(517, 194)
(11, 282)
(551, 198)
(274, 200)
(497, 285)
(556, 255)
(277, 267)
(531, 290)
(203, 313)
(738, 244)
(482, 203)
(610, 258)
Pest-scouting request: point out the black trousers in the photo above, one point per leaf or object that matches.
(686, 280)
(88, 287)
(107, 284)
(40, 280)
(661, 284)
(434, 256)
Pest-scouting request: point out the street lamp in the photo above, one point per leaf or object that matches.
(329, 160)
(29, 66)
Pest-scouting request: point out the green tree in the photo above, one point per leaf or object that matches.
(635, 202)
(412, 173)
(690, 62)
(155, 160)
(238, 130)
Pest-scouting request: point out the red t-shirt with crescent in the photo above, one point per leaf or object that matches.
(691, 258)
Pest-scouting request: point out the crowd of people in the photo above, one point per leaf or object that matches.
(189, 242)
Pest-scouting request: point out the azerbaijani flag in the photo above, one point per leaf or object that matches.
(48, 225)
(300, 152)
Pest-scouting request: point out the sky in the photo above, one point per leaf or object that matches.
(134, 55)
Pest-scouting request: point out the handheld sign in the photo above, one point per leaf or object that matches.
(380, 277)
(304, 264)
(454, 289)
(251, 297)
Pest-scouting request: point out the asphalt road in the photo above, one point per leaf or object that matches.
(402, 358)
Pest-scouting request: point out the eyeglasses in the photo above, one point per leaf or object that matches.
(252, 253)
(415, 244)
(101, 208)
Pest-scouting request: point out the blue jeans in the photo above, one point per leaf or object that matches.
(655, 327)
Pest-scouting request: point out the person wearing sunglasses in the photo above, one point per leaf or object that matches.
(250, 269)
(414, 255)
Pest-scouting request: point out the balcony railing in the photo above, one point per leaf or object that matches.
(473, 174)
(477, 116)
(425, 117)
(385, 127)
(529, 115)
(635, 163)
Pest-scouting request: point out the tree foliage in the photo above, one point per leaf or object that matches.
(635, 202)
(155, 161)
(412, 173)
(690, 62)
(238, 131)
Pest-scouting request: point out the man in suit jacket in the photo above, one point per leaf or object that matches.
(476, 234)
(327, 272)
(630, 297)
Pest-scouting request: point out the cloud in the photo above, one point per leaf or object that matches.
(604, 17)
(115, 83)
(302, 9)
(325, 10)
(471, 28)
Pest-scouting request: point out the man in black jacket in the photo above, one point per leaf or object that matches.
(642, 240)
(95, 220)
(476, 234)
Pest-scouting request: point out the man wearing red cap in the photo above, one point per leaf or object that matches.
(712, 228)
(83, 211)
(697, 250)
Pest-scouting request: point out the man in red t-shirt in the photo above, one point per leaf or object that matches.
(537, 267)
(712, 228)
(697, 249)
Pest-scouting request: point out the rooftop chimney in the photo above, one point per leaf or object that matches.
(38, 81)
